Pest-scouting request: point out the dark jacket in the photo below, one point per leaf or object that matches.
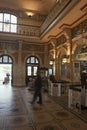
(83, 79)
(38, 82)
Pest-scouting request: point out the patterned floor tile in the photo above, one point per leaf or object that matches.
(22, 128)
(74, 124)
(50, 126)
(36, 108)
(62, 115)
(17, 121)
(41, 117)
(53, 107)
(16, 113)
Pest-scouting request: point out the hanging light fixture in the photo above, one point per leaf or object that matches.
(65, 59)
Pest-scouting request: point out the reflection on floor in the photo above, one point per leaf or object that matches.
(16, 113)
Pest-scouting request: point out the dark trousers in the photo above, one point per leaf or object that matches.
(37, 93)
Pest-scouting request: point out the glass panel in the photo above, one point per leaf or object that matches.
(1, 17)
(36, 60)
(46, 73)
(5, 59)
(7, 21)
(29, 70)
(35, 70)
(50, 71)
(32, 60)
(1, 60)
(10, 60)
(7, 18)
(13, 19)
(0, 26)
(13, 28)
(6, 27)
(28, 60)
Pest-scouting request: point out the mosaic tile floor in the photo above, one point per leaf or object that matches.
(16, 113)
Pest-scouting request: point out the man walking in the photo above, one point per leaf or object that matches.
(37, 89)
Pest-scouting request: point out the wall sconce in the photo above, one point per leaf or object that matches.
(51, 62)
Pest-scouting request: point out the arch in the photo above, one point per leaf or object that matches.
(78, 46)
(33, 60)
(61, 52)
(32, 65)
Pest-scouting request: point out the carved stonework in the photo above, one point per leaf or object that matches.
(10, 11)
(33, 47)
(61, 40)
(81, 28)
(8, 46)
(54, 13)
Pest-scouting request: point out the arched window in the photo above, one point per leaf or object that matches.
(32, 65)
(8, 23)
(5, 59)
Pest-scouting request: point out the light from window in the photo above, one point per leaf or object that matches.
(36, 61)
(29, 70)
(32, 60)
(8, 23)
(1, 20)
(0, 59)
(13, 19)
(10, 60)
(5, 59)
(1, 17)
(35, 70)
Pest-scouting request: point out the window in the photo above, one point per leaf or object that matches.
(32, 66)
(32, 60)
(8, 23)
(5, 59)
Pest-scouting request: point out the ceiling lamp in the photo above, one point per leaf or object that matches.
(30, 14)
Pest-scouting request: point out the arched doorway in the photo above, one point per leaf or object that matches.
(6, 63)
(32, 65)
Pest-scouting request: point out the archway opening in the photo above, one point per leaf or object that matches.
(5, 70)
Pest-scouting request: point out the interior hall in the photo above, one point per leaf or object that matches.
(49, 36)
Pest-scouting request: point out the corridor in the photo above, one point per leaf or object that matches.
(16, 113)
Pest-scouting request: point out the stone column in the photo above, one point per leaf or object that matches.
(54, 42)
(46, 57)
(67, 33)
(19, 75)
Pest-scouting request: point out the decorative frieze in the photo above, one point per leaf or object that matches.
(33, 47)
(9, 46)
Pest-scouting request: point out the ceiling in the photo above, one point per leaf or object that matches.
(40, 6)
(72, 18)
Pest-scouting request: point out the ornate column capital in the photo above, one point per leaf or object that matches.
(53, 41)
